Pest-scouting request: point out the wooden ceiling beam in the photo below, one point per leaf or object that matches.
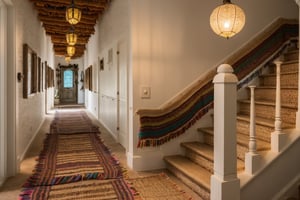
(64, 30)
(98, 4)
(52, 15)
(62, 20)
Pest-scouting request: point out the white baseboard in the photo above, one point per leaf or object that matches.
(21, 157)
(147, 161)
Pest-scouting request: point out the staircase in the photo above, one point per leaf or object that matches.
(196, 166)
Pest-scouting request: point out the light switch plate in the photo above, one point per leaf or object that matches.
(145, 92)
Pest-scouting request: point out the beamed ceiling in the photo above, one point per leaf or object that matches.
(52, 15)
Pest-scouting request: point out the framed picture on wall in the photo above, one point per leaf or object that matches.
(28, 65)
(90, 78)
(34, 80)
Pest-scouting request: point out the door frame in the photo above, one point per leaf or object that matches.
(125, 141)
(74, 68)
(8, 92)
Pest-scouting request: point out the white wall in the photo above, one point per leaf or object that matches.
(30, 112)
(111, 29)
(172, 45)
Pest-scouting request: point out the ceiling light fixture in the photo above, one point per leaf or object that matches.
(227, 20)
(68, 59)
(71, 50)
(73, 14)
(71, 37)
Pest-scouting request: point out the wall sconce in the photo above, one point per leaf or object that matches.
(20, 76)
(227, 20)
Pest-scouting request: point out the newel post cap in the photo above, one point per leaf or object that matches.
(225, 74)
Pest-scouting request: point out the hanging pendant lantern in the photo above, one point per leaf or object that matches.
(68, 59)
(227, 20)
(73, 14)
(70, 50)
(71, 37)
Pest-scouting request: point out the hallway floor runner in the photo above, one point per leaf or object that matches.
(71, 158)
(69, 122)
(113, 189)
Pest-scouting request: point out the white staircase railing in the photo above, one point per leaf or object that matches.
(252, 158)
(278, 138)
(224, 182)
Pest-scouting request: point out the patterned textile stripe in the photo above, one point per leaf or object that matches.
(71, 158)
(83, 190)
(72, 122)
(156, 130)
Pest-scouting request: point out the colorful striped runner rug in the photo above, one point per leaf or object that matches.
(111, 189)
(69, 122)
(71, 158)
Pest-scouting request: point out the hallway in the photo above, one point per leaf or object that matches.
(13, 185)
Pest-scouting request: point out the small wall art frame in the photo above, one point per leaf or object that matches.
(29, 66)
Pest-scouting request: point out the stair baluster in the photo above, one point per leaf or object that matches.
(252, 158)
(278, 138)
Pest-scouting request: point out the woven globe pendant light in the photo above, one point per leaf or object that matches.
(227, 20)
(73, 14)
(71, 50)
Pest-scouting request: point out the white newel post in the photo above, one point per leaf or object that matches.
(278, 138)
(298, 112)
(224, 182)
(252, 158)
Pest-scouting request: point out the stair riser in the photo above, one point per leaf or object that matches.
(285, 67)
(288, 115)
(200, 160)
(208, 139)
(262, 132)
(285, 80)
(241, 150)
(288, 96)
(291, 56)
(201, 191)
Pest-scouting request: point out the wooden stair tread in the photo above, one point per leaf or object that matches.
(202, 149)
(274, 87)
(209, 130)
(268, 103)
(207, 151)
(282, 73)
(190, 169)
(243, 140)
(262, 121)
(287, 62)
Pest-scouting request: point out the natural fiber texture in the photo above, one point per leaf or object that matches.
(156, 130)
(75, 164)
(83, 190)
(72, 122)
(157, 187)
(71, 158)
